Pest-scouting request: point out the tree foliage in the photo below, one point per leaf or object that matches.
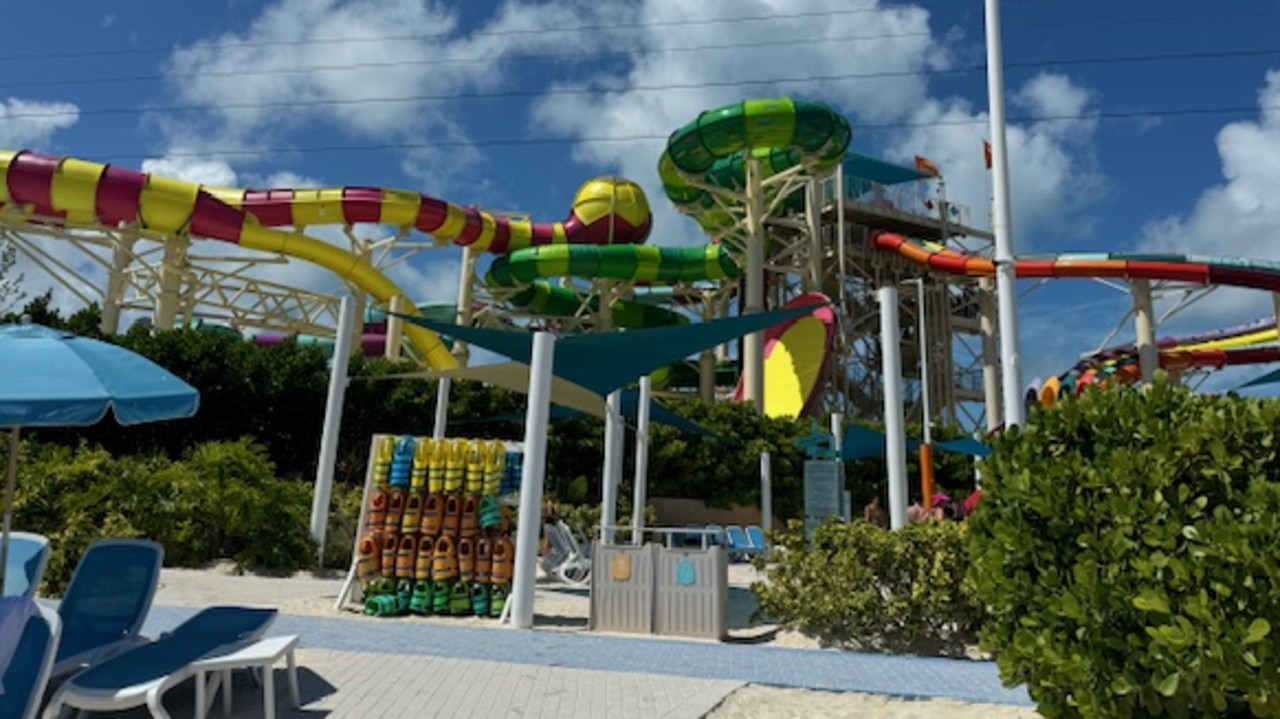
(276, 394)
(1127, 547)
(862, 586)
(222, 500)
(10, 284)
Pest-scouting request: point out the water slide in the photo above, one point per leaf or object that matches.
(642, 263)
(795, 358)
(80, 194)
(373, 336)
(710, 152)
(1249, 344)
(703, 172)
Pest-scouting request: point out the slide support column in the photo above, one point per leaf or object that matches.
(121, 254)
(1145, 328)
(990, 361)
(175, 255)
(753, 344)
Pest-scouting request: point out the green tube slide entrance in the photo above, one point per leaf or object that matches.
(619, 262)
(712, 150)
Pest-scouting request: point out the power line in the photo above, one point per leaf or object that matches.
(446, 61)
(546, 141)
(439, 36)
(669, 87)
(1157, 57)
(1147, 19)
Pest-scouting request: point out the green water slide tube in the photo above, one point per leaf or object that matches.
(711, 151)
(617, 262)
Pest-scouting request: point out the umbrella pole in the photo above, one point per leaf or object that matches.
(10, 481)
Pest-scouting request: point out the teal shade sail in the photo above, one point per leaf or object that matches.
(604, 361)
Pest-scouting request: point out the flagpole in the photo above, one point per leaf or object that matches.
(1002, 226)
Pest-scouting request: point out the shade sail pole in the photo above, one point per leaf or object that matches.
(332, 430)
(640, 490)
(534, 471)
(613, 448)
(895, 432)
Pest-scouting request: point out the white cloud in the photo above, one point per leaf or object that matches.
(1053, 175)
(25, 123)
(1239, 217)
(192, 168)
(329, 67)
(632, 103)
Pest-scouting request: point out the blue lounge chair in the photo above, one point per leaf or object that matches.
(142, 675)
(28, 556)
(738, 545)
(28, 673)
(107, 601)
(716, 536)
(755, 535)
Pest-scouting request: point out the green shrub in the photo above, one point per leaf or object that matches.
(344, 522)
(1127, 546)
(857, 584)
(229, 503)
(223, 500)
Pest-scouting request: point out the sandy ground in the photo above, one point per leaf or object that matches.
(559, 607)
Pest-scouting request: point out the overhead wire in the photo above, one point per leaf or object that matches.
(121, 52)
(548, 141)
(665, 87)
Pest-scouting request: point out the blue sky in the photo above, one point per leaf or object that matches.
(1134, 126)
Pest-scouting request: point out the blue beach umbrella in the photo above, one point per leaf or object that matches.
(51, 378)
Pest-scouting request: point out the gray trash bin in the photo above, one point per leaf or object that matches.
(692, 593)
(622, 588)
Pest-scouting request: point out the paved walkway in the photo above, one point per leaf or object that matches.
(386, 668)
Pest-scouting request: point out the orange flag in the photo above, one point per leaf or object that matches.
(986, 153)
(925, 166)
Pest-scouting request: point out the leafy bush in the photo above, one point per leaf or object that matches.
(857, 584)
(584, 519)
(222, 500)
(344, 521)
(1126, 545)
(229, 503)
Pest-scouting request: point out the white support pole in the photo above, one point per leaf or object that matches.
(121, 255)
(534, 470)
(612, 470)
(439, 429)
(927, 416)
(990, 368)
(837, 443)
(753, 344)
(840, 235)
(1144, 326)
(639, 493)
(395, 328)
(813, 223)
(166, 311)
(466, 293)
(332, 422)
(894, 424)
(766, 492)
(1002, 226)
